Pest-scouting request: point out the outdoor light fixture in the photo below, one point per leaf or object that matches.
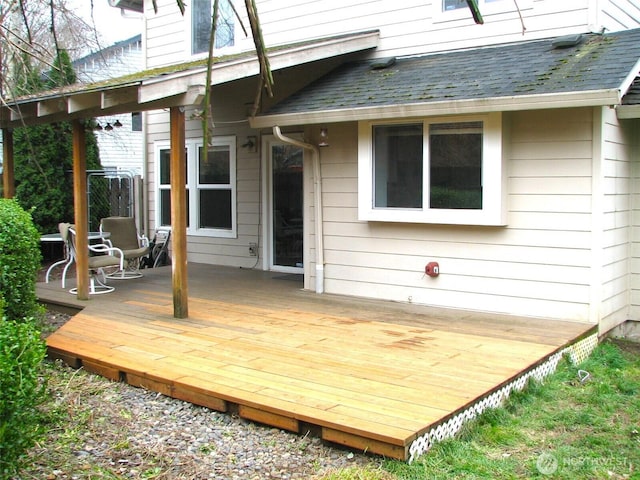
(324, 138)
(109, 125)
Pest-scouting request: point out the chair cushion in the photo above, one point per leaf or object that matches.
(136, 252)
(103, 261)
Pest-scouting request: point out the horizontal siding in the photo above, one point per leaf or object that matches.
(620, 14)
(406, 28)
(541, 262)
(617, 151)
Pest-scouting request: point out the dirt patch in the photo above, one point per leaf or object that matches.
(627, 346)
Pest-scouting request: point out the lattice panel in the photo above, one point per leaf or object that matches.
(576, 352)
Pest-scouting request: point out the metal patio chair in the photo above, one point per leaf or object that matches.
(123, 234)
(102, 257)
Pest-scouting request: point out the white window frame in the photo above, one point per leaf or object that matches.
(192, 150)
(219, 51)
(493, 210)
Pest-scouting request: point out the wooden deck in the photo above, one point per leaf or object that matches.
(371, 375)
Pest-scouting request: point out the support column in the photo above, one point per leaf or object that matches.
(179, 213)
(8, 173)
(80, 209)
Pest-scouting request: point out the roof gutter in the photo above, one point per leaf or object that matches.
(448, 107)
(317, 180)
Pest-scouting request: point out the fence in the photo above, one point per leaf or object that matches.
(113, 193)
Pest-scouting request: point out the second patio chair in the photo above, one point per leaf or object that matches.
(102, 257)
(123, 234)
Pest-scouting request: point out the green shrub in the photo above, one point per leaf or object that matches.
(20, 260)
(21, 392)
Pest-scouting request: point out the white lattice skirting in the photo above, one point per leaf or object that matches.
(577, 353)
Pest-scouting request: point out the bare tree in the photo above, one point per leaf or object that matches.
(33, 32)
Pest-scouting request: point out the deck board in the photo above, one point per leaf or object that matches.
(370, 375)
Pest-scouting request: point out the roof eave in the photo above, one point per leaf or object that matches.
(167, 90)
(627, 112)
(448, 107)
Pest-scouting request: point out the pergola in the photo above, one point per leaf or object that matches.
(175, 88)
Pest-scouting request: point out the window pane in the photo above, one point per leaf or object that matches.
(165, 167)
(201, 25)
(165, 207)
(215, 209)
(226, 25)
(215, 167)
(397, 168)
(136, 122)
(453, 4)
(455, 151)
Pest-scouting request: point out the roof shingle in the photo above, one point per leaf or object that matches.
(598, 62)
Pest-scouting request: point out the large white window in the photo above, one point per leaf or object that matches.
(201, 11)
(443, 170)
(211, 187)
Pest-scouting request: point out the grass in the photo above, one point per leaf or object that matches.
(562, 429)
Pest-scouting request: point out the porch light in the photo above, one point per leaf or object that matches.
(324, 138)
(109, 125)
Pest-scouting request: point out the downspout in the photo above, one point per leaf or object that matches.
(317, 182)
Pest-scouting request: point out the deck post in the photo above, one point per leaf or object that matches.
(178, 213)
(8, 173)
(80, 209)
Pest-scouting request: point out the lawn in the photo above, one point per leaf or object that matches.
(583, 422)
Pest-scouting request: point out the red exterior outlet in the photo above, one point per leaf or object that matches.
(432, 269)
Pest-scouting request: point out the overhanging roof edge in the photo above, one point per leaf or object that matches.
(150, 91)
(609, 97)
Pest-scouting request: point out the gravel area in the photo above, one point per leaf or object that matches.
(113, 430)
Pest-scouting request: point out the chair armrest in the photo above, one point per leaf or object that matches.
(108, 250)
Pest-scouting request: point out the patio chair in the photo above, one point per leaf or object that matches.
(158, 250)
(104, 257)
(123, 234)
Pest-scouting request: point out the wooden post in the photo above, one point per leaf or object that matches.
(8, 169)
(80, 209)
(179, 213)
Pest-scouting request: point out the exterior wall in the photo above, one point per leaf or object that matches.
(563, 253)
(618, 15)
(634, 313)
(229, 120)
(616, 181)
(539, 265)
(417, 26)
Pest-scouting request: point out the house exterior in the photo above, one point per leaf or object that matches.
(121, 146)
(485, 167)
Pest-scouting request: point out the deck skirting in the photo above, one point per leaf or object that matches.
(576, 353)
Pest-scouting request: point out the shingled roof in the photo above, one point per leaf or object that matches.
(601, 65)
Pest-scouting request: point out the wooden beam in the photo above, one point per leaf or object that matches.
(80, 209)
(51, 107)
(120, 96)
(178, 213)
(8, 172)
